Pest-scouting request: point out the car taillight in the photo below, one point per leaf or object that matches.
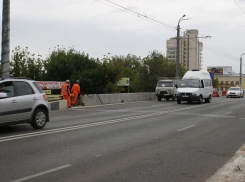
(45, 97)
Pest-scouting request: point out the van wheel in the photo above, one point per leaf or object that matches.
(200, 100)
(39, 119)
(159, 98)
(208, 100)
(178, 101)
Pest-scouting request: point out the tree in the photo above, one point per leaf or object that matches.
(216, 83)
(153, 66)
(24, 64)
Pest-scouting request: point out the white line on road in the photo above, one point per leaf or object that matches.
(186, 128)
(42, 173)
(228, 113)
(52, 131)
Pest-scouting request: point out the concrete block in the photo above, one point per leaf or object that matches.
(62, 104)
(54, 106)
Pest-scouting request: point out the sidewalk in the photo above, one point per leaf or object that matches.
(233, 170)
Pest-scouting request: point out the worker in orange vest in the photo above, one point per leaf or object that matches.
(76, 92)
(65, 91)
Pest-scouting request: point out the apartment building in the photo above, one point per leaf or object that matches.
(190, 53)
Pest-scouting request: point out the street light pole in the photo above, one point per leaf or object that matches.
(177, 53)
(5, 39)
(241, 70)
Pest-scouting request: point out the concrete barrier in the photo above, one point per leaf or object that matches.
(57, 105)
(100, 99)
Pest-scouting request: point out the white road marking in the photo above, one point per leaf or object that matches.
(186, 128)
(52, 131)
(42, 173)
(228, 113)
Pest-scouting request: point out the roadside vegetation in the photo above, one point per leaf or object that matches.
(95, 75)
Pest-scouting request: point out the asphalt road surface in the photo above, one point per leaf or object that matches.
(136, 142)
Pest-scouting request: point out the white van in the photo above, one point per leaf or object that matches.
(195, 86)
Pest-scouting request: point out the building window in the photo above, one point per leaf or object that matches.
(222, 83)
(226, 82)
(232, 83)
(237, 82)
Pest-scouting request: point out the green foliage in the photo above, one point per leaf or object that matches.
(95, 76)
(153, 66)
(216, 83)
(24, 64)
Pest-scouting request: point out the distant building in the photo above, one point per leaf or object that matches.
(226, 77)
(190, 53)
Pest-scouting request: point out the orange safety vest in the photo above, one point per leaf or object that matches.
(75, 89)
(64, 89)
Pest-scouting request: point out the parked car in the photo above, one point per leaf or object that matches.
(234, 92)
(22, 101)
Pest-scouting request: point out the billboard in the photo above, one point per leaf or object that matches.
(220, 70)
(49, 84)
(227, 70)
(123, 82)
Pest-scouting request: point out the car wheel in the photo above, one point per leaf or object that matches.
(178, 101)
(208, 100)
(200, 100)
(159, 98)
(39, 119)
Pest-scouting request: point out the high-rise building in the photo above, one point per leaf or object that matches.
(190, 50)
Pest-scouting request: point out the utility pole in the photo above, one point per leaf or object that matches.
(5, 39)
(177, 56)
(241, 70)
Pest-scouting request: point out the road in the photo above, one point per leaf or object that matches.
(138, 142)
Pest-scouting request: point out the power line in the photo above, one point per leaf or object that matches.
(242, 4)
(164, 25)
(239, 6)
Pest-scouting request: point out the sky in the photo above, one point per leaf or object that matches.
(99, 27)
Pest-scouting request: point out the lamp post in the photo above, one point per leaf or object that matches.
(241, 70)
(177, 54)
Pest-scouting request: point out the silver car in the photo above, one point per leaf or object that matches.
(234, 92)
(22, 101)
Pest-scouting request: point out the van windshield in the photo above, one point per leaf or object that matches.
(189, 83)
(165, 84)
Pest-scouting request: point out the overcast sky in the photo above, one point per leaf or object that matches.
(98, 29)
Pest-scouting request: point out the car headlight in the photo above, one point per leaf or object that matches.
(194, 93)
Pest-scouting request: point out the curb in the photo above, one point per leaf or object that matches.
(233, 170)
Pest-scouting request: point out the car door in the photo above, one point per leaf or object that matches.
(26, 99)
(8, 106)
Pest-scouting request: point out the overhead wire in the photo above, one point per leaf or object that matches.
(242, 4)
(148, 18)
(239, 6)
(121, 7)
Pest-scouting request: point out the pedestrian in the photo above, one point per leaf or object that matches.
(76, 92)
(65, 92)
